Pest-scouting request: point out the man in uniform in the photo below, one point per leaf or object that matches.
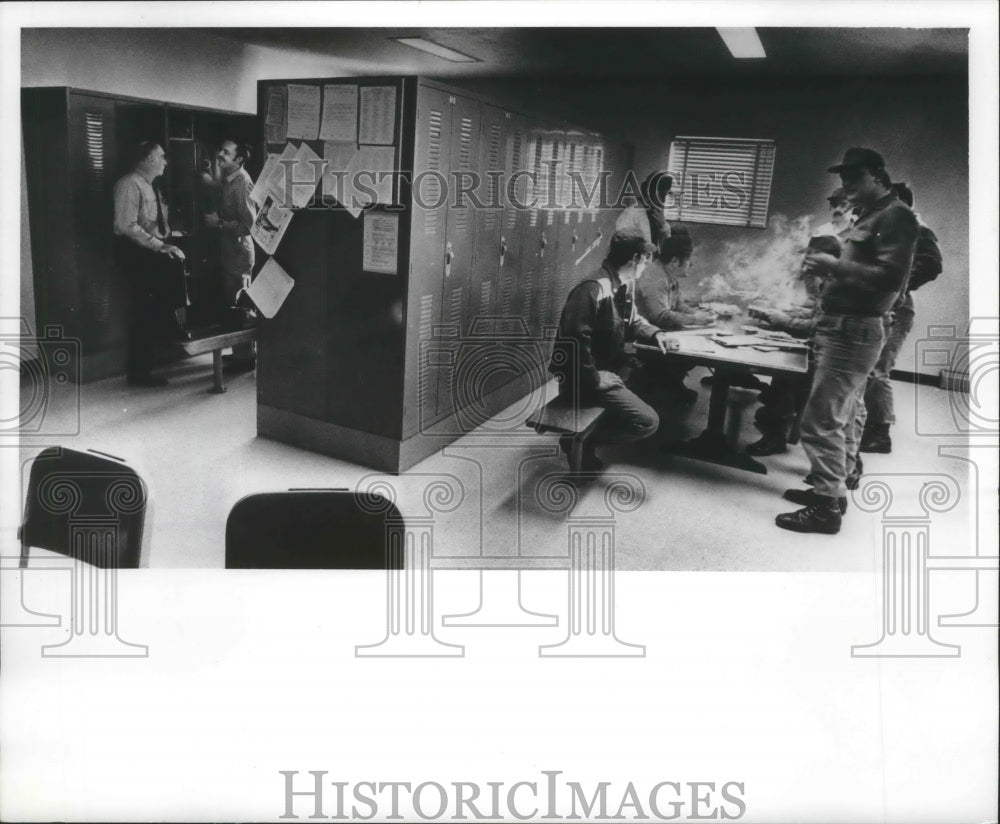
(862, 286)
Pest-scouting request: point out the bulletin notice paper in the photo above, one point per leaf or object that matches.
(338, 157)
(303, 111)
(277, 98)
(272, 221)
(381, 243)
(270, 288)
(378, 115)
(377, 165)
(340, 114)
(257, 192)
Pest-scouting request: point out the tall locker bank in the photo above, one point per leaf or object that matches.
(383, 365)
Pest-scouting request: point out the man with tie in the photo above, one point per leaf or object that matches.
(589, 351)
(148, 261)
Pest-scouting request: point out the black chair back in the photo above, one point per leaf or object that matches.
(313, 529)
(86, 505)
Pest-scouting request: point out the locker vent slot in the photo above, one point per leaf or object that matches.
(454, 306)
(461, 214)
(492, 165)
(94, 125)
(516, 158)
(426, 319)
(507, 296)
(430, 188)
(485, 294)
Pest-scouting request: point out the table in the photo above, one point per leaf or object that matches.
(697, 349)
(211, 339)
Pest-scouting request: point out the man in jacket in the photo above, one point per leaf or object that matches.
(878, 394)
(862, 285)
(589, 352)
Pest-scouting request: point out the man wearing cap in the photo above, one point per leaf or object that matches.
(841, 216)
(878, 393)
(589, 350)
(862, 285)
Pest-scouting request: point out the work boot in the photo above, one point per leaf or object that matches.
(808, 497)
(772, 444)
(822, 516)
(876, 439)
(854, 479)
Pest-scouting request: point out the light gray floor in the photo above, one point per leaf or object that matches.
(199, 454)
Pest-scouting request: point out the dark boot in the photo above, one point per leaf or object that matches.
(876, 439)
(771, 444)
(822, 516)
(854, 479)
(808, 497)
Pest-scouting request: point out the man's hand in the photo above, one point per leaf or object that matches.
(819, 263)
(700, 318)
(608, 380)
(171, 251)
(212, 220)
(667, 343)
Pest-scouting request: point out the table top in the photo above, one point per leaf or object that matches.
(697, 347)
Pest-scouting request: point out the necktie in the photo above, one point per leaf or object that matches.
(161, 223)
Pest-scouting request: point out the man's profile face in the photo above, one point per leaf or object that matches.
(839, 209)
(156, 161)
(860, 186)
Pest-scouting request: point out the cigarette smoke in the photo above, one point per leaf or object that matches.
(763, 270)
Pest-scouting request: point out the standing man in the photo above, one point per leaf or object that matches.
(149, 263)
(862, 285)
(589, 351)
(878, 394)
(648, 218)
(841, 216)
(234, 219)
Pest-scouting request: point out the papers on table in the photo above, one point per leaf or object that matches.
(340, 114)
(270, 288)
(378, 115)
(303, 111)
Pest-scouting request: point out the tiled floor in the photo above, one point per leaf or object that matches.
(199, 454)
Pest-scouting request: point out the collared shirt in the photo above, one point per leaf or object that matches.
(597, 320)
(235, 207)
(658, 299)
(136, 213)
(875, 261)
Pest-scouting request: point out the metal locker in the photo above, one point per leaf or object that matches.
(428, 239)
(459, 241)
(488, 219)
(515, 215)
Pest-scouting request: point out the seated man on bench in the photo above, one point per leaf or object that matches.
(598, 319)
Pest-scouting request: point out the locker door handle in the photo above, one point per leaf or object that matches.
(544, 243)
(573, 239)
(448, 255)
(503, 249)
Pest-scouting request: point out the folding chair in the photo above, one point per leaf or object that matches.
(313, 529)
(87, 505)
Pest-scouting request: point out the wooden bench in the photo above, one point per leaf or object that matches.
(211, 340)
(561, 417)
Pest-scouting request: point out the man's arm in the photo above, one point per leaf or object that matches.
(246, 212)
(652, 301)
(576, 329)
(927, 262)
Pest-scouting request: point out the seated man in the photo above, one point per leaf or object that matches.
(787, 394)
(597, 320)
(658, 299)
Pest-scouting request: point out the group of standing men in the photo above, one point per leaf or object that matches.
(153, 266)
(865, 270)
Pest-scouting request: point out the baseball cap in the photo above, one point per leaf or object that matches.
(859, 156)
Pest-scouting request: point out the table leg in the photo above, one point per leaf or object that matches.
(711, 445)
(219, 387)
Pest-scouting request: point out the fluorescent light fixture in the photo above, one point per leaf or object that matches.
(433, 48)
(742, 43)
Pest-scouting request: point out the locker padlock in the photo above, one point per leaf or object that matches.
(448, 255)
(503, 249)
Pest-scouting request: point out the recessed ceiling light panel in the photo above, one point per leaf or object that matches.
(437, 50)
(742, 43)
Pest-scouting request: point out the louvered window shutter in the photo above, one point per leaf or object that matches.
(722, 180)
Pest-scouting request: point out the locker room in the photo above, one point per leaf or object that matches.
(388, 372)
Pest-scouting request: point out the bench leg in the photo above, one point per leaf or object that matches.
(219, 387)
(576, 455)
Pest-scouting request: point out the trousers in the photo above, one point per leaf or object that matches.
(878, 393)
(846, 349)
(627, 417)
